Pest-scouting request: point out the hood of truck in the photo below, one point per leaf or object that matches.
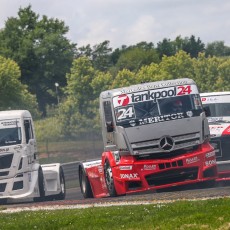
(181, 133)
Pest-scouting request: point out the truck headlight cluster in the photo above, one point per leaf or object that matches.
(116, 155)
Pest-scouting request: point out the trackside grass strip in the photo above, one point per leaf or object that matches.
(199, 214)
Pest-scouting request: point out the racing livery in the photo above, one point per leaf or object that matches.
(219, 124)
(155, 136)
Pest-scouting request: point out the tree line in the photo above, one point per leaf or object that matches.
(35, 55)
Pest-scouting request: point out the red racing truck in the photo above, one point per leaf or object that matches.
(155, 136)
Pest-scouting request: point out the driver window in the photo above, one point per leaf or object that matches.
(28, 130)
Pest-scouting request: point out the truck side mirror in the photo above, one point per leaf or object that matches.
(109, 126)
(207, 111)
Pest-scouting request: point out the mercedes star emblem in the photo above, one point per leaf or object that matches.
(166, 143)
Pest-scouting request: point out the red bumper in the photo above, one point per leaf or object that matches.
(131, 175)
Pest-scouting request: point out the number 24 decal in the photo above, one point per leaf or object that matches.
(124, 113)
(182, 90)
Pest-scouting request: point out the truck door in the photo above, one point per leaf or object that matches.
(30, 141)
(109, 122)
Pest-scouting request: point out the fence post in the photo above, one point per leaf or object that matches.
(47, 148)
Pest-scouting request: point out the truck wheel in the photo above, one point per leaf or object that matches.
(84, 184)
(109, 179)
(41, 185)
(61, 195)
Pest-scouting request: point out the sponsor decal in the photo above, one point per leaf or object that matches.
(203, 99)
(123, 113)
(4, 150)
(154, 86)
(152, 95)
(100, 169)
(211, 154)
(162, 118)
(91, 164)
(209, 99)
(189, 113)
(132, 123)
(126, 167)
(129, 176)
(211, 162)
(123, 100)
(215, 119)
(192, 160)
(9, 123)
(18, 147)
(149, 167)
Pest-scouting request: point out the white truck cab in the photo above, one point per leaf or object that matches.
(21, 175)
(218, 103)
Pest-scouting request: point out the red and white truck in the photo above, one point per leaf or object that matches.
(21, 175)
(155, 136)
(218, 104)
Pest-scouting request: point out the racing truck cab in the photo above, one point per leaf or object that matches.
(218, 103)
(155, 136)
(21, 175)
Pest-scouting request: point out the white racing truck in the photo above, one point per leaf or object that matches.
(155, 136)
(21, 175)
(218, 104)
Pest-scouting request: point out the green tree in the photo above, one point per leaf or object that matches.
(211, 74)
(13, 94)
(178, 66)
(134, 58)
(217, 48)
(42, 51)
(193, 46)
(124, 78)
(77, 111)
(100, 55)
(166, 47)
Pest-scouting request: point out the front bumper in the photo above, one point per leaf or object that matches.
(24, 185)
(136, 176)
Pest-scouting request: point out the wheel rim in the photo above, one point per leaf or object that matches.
(109, 176)
(83, 183)
(62, 185)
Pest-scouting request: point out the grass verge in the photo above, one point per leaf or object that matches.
(200, 214)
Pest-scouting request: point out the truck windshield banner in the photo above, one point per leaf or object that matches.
(153, 95)
(153, 106)
(9, 124)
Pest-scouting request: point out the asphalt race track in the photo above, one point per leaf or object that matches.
(74, 196)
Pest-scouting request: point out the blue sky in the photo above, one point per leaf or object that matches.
(127, 22)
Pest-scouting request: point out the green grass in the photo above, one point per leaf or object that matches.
(206, 214)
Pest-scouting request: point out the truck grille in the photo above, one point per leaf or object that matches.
(152, 146)
(6, 160)
(172, 176)
(222, 147)
(2, 187)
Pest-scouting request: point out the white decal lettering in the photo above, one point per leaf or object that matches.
(129, 176)
(192, 160)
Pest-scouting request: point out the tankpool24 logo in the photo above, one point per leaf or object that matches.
(153, 95)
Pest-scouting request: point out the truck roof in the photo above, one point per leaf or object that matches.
(8, 114)
(146, 86)
(215, 94)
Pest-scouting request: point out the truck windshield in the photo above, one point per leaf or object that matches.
(219, 109)
(160, 110)
(10, 136)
